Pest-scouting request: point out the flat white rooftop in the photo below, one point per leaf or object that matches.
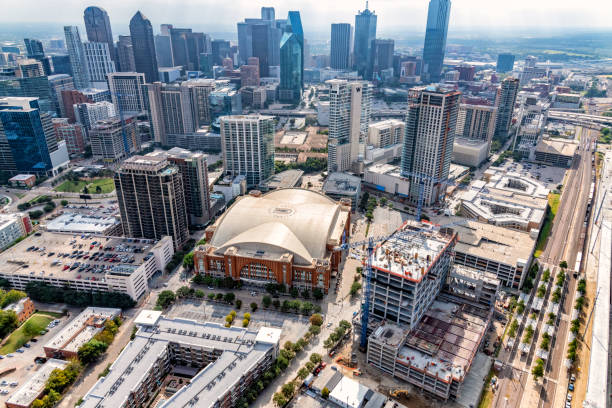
(82, 223)
(35, 384)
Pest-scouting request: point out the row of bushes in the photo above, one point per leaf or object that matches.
(58, 382)
(227, 282)
(94, 348)
(528, 283)
(36, 201)
(288, 352)
(337, 334)
(279, 288)
(52, 294)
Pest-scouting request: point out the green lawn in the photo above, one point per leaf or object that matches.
(553, 202)
(18, 338)
(106, 184)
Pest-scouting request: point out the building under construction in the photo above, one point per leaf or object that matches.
(409, 271)
(437, 354)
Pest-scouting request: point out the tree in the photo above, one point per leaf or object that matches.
(315, 358)
(314, 329)
(276, 303)
(538, 369)
(355, 288)
(229, 318)
(303, 373)
(238, 303)
(288, 345)
(282, 362)
(306, 308)
(253, 306)
(325, 392)
(91, 351)
(345, 324)
(165, 299)
(267, 301)
(64, 203)
(316, 319)
(294, 292)
(306, 294)
(183, 291)
(279, 399)
(85, 190)
(229, 297)
(245, 322)
(563, 264)
(188, 261)
(211, 296)
(199, 293)
(219, 296)
(317, 294)
(247, 316)
(288, 389)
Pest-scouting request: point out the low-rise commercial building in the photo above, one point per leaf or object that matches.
(23, 180)
(408, 272)
(343, 186)
(23, 308)
(286, 236)
(220, 362)
(88, 262)
(77, 223)
(555, 152)
(506, 199)
(437, 354)
(387, 178)
(284, 179)
(503, 252)
(470, 152)
(79, 331)
(34, 387)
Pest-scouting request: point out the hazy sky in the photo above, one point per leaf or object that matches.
(393, 15)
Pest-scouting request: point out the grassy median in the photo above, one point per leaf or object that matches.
(553, 204)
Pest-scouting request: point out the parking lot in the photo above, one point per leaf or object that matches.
(551, 177)
(24, 362)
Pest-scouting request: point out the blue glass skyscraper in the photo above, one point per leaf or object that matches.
(365, 32)
(26, 137)
(292, 59)
(435, 39)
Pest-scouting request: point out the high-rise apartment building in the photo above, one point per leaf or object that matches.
(341, 42)
(71, 97)
(76, 54)
(99, 62)
(505, 63)
(381, 58)
(143, 46)
(27, 139)
(98, 28)
(87, 114)
(349, 119)
(127, 92)
(292, 60)
(428, 144)
(194, 171)
(476, 122)
(365, 32)
(151, 199)
(247, 144)
(57, 84)
(125, 54)
(435, 39)
(29, 68)
(72, 133)
(112, 140)
(505, 101)
(178, 109)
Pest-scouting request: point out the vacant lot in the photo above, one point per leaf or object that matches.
(106, 186)
(29, 329)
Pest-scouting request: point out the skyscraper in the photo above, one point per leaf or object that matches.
(292, 60)
(99, 62)
(505, 63)
(57, 84)
(152, 199)
(381, 58)
(247, 144)
(187, 47)
(506, 98)
(34, 48)
(349, 118)
(365, 32)
(127, 92)
(98, 28)
(163, 50)
(27, 138)
(143, 46)
(125, 54)
(435, 39)
(341, 40)
(428, 144)
(221, 49)
(260, 37)
(77, 57)
(194, 171)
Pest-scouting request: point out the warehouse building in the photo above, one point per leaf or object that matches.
(218, 363)
(286, 236)
(88, 262)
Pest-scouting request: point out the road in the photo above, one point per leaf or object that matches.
(563, 244)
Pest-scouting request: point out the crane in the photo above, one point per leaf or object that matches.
(371, 244)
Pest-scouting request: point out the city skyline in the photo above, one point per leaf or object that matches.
(409, 16)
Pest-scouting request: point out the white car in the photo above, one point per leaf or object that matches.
(4, 392)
